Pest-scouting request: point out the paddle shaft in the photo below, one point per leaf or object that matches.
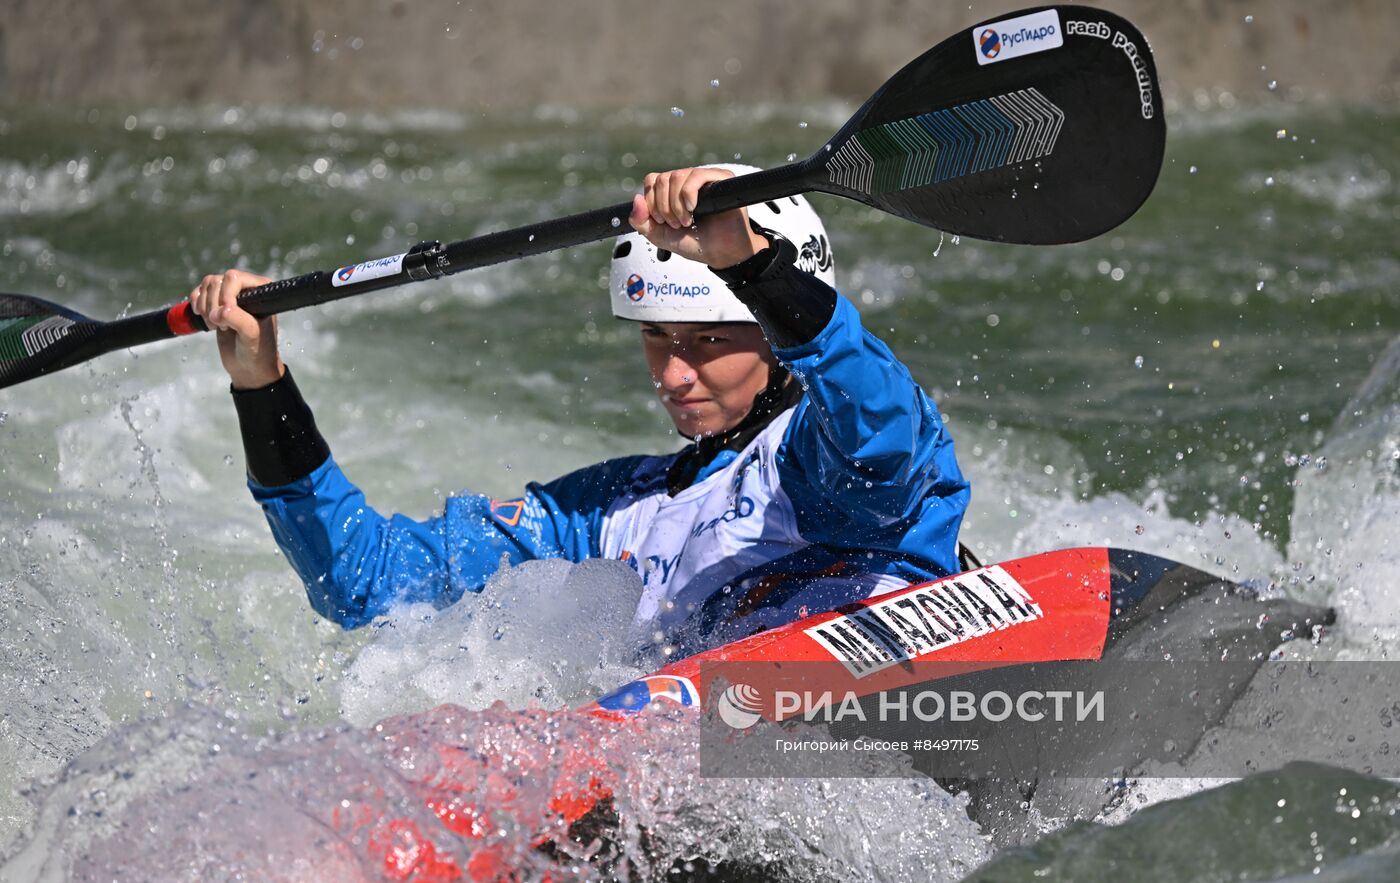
(1056, 142)
(432, 260)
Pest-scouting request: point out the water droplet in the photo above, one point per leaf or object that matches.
(791, 157)
(677, 112)
(616, 223)
(1269, 181)
(1139, 530)
(714, 84)
(1249, 19)
(1192, 170)
(228, 459)
(1273, 85)
(532, 236)
(802, 124)
(1281, 134)
(1137, 362)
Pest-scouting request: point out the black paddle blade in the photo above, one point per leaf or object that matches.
(37, 337)
(1042, 126)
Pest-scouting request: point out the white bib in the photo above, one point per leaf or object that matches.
(689, 546)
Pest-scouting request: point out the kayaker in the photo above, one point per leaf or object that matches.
(818, 471)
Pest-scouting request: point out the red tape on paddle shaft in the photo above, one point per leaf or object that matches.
(180, 319)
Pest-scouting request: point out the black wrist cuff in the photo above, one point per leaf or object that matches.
(280, 438)
(750, 270)
(792, 306)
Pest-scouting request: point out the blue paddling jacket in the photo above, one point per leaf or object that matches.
(841, 483)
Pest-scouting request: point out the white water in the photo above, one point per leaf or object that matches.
(143, 578)
(158, 659)
(547, 634)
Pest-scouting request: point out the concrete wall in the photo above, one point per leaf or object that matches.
(487, 54)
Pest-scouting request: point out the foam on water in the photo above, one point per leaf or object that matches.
(160, 452)
(1027, 499)
(136, 576)
(1346, 515)
(1342, 553)
(56, 188)
(209, 118)
(546, 634)
(131, 579)
(199, 795)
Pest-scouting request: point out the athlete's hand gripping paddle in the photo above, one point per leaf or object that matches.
(1039, 127)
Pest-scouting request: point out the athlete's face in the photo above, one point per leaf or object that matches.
(706, 375)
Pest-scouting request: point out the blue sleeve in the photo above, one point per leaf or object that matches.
(356, 563)
(867, 456)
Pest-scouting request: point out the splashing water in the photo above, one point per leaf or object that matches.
(477, 654)
(136, 577)
(1344, 519)
(428, 796)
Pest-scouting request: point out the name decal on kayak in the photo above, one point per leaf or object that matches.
(368, 270)
(923, 621)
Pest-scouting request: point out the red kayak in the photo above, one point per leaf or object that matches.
(1072, 604)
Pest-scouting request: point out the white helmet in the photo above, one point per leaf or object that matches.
(647, 285)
